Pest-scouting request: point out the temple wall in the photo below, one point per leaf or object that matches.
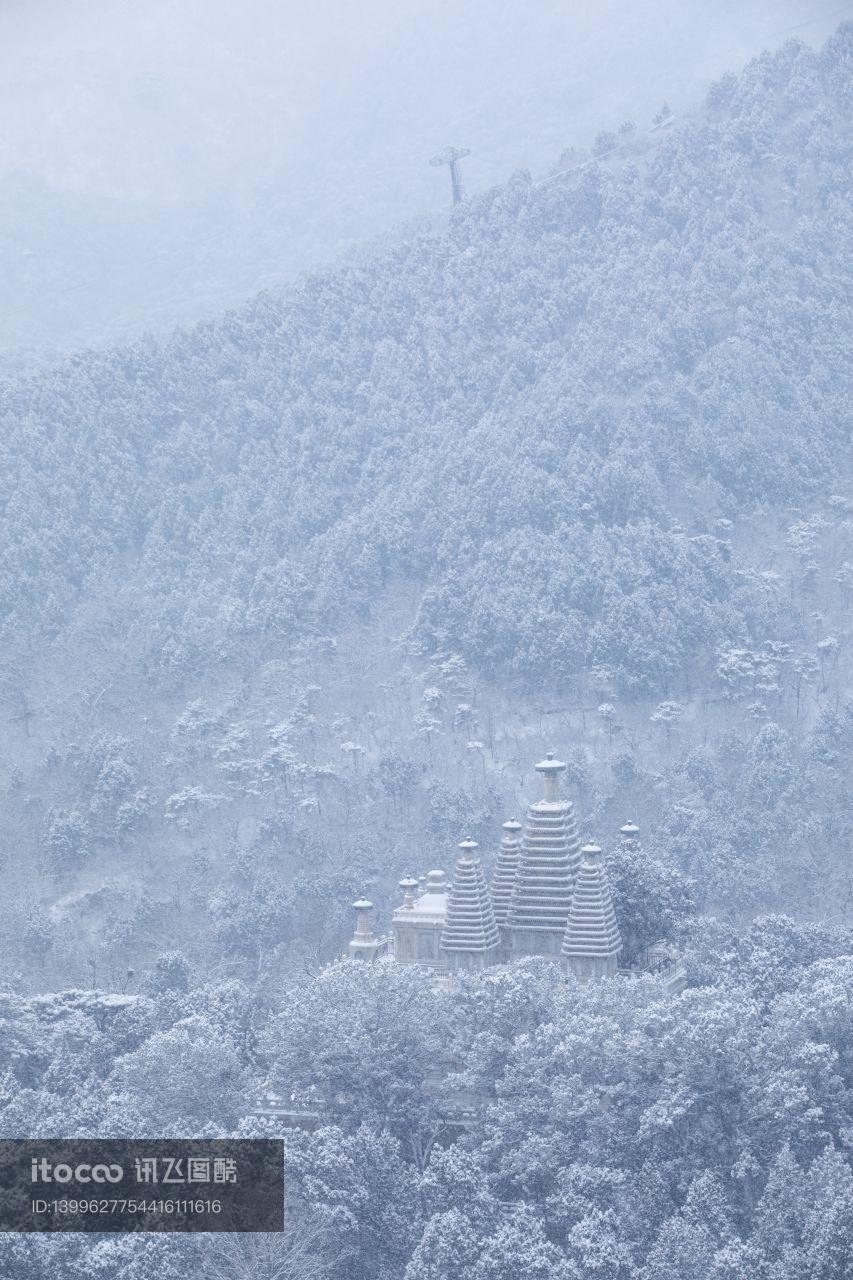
(536, 942)
(590, 967)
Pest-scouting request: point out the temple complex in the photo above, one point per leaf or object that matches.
(548, 897)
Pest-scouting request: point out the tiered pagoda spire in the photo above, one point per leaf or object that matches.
(469, 939)
(592, 941)
(547, 869)
(503, 880)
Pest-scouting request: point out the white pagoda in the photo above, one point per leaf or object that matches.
(548, 897)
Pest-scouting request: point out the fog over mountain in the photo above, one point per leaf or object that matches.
(159, 161)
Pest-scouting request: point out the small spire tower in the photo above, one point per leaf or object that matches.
(503, 880)
(365, 945)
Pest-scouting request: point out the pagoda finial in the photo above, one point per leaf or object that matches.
(630, 833)
(550, 770)
(468, 846)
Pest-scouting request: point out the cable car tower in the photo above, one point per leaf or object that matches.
(451, 157)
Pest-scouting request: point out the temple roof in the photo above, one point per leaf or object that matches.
(428, 907)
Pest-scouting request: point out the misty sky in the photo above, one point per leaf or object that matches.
(227, 146)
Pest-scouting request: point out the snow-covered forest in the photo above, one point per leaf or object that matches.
(292, 600)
